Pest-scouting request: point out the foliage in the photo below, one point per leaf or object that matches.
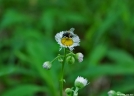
(27, 31)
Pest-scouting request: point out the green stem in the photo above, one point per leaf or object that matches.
(70, 54)
(62, 73)
(54, 59)
(76, 92)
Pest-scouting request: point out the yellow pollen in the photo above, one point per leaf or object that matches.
(67, 41)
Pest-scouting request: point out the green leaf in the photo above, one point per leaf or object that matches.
(111, 17)
(97, 54)
(47, 20)
(12, 17)
(5, 70)
(74, 17)
(120, 57)
(125, 87)
(107, 69)
(24, 90)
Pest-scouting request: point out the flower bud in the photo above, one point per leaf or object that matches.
(112, 93)
(70, 60)
(47, 65)
(68, 91)
(80, 82)
(120, 94)
(79, 56)
(60, 60)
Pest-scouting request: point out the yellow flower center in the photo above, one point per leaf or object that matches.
(67, 41)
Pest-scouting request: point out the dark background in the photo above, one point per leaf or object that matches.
(27, 30)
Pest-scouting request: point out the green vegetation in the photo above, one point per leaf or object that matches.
(27, 30)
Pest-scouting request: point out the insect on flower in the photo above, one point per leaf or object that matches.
(67, 39)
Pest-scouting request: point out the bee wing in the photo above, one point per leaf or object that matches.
(72, 29)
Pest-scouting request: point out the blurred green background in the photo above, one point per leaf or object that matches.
(27, 30)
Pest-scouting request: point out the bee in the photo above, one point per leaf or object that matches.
(68, 34)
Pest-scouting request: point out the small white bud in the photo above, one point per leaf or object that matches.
(111, 93)
(79, 56)
(47, 65)
(80, 82)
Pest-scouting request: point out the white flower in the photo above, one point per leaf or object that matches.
(67, 39)
(111, 93)
(47, 65)
(79, 56)
(80, 82)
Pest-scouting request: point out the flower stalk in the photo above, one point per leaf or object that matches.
(68, 40)
(76, 92)
(62, 73)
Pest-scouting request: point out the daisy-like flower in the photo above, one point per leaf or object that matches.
(79, 56)
(67, 39)
(80, 82)
(47, 65)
